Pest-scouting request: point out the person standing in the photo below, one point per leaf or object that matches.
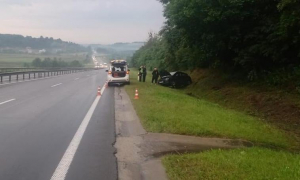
(140, 73)
(155, 75)
(144, 73)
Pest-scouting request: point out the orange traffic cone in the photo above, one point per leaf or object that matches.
(99, 91)
(136, 94)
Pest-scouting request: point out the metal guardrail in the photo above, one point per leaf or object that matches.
(16, 69)
(38, 73)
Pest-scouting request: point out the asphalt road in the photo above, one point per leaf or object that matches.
(39, 119)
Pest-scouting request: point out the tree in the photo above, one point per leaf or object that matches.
(37, 62)
(253, 38)
(75, 63)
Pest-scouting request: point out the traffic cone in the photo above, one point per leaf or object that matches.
(99, 91)
(136, 94)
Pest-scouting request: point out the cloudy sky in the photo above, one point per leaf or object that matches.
(82, 21)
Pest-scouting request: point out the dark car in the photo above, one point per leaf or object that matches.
(175, 79)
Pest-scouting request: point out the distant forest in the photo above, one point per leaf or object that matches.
(21, 42)
(118, 50)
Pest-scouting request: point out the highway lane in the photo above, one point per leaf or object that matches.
(30, 88)
(37, 127)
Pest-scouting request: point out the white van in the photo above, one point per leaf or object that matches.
(118, 73)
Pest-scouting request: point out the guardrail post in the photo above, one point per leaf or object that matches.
(17, 77)
(34, 75)
(9, 78)
(23, 76)
(29, 75)
(1, 79)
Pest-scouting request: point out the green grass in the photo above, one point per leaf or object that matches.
(276, 105)
(165, 110)
(239, 164)
(17, 60)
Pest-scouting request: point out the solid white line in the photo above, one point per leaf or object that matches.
(7, 101)
(56, 85)
(64, 164)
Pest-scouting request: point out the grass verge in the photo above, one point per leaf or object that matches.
(165, 110)
(168, 110)
(277, 105)
(245, 164)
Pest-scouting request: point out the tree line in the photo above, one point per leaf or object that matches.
(251, 37)
(53, 63)
(19, 41)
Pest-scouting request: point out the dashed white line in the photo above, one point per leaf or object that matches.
(7, 101)
(56, 85)
(76, 79)
(65, 162)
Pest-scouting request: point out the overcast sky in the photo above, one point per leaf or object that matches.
(82, 21)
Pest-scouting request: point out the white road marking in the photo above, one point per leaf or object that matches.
(56, 85)
(76, 79)
(64, 164)
(87, 75)
(7, 101)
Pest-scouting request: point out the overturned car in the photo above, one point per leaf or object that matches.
(174, 79)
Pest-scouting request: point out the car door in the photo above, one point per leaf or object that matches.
(176, 78)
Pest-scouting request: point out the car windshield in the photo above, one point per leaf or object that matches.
(118, 68)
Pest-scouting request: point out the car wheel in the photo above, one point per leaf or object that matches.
(128, 83)
(108, 84)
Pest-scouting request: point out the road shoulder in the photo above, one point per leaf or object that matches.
(132, 163)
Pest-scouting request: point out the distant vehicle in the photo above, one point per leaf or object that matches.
(105, 65)
(175, 79)
(118, 73)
